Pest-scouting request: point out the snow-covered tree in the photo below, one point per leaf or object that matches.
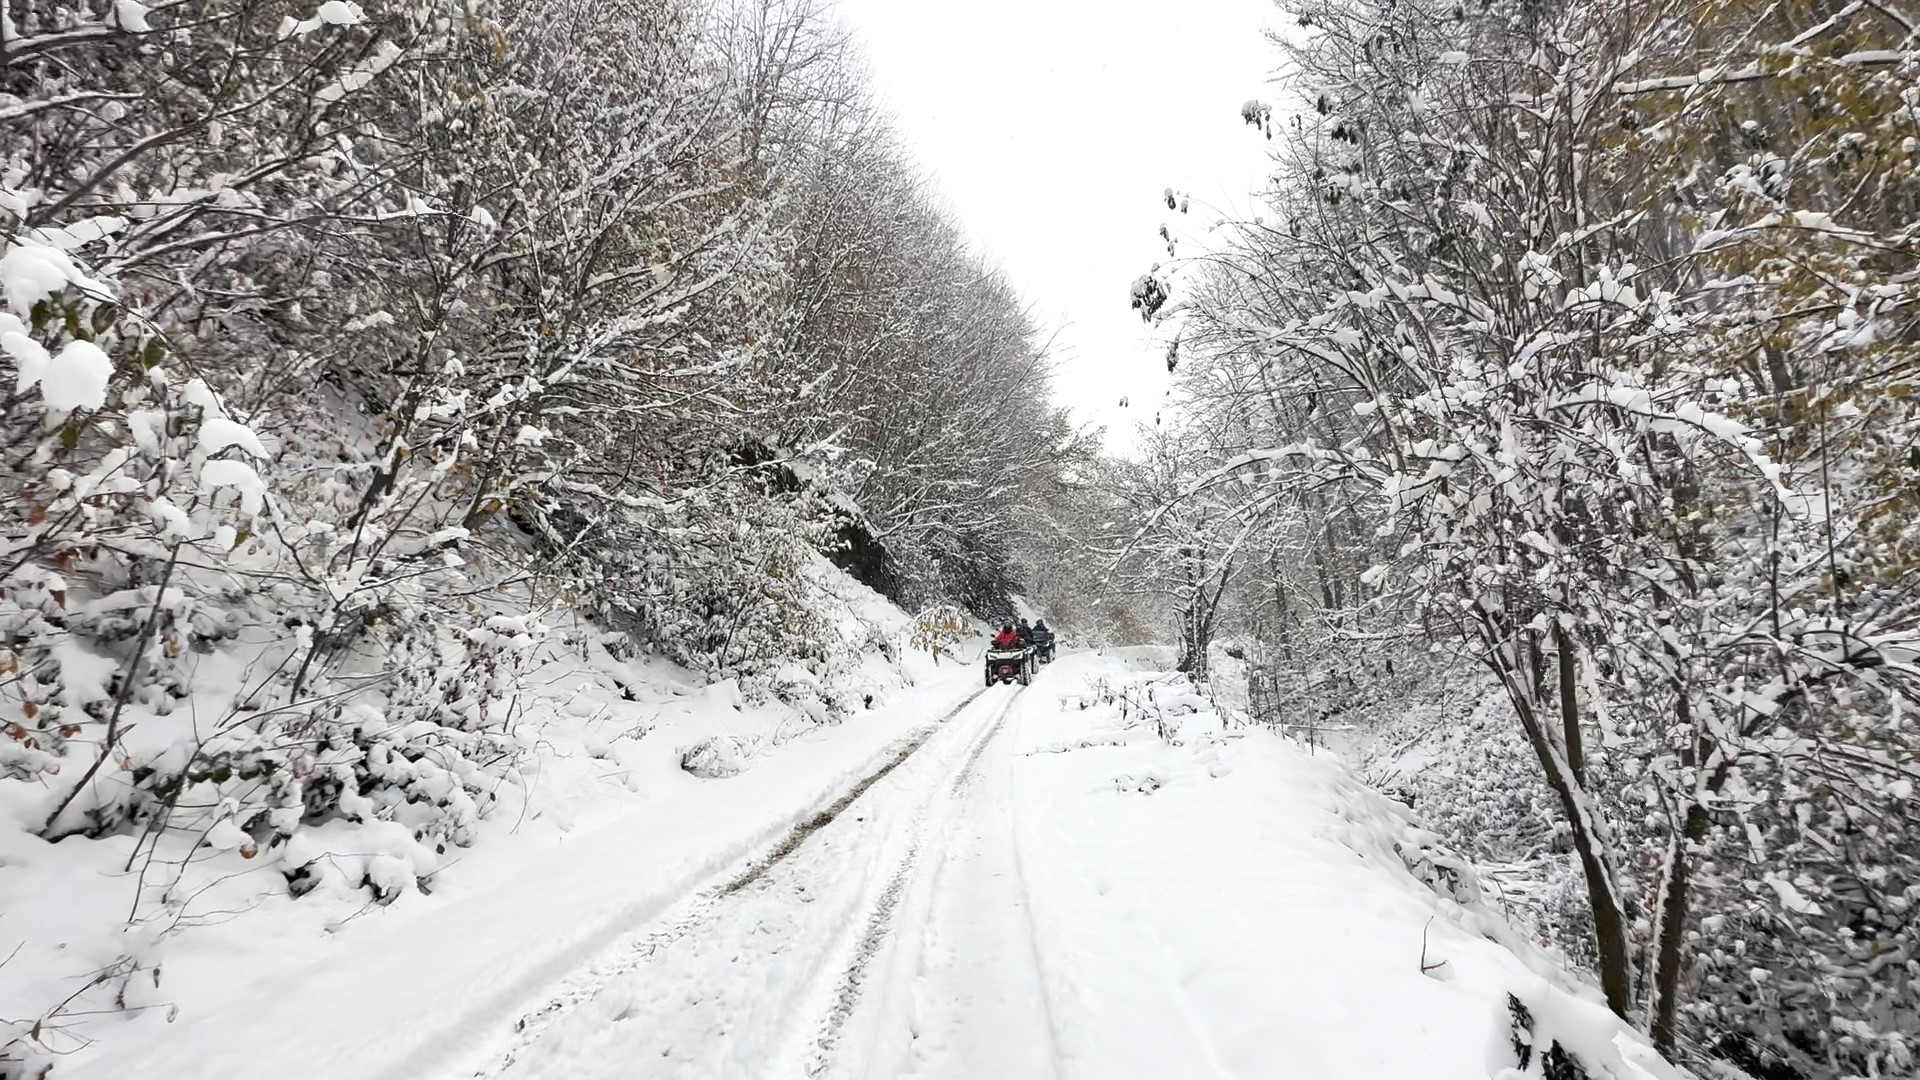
(1584, 380)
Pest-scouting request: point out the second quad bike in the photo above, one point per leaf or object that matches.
(1043, 646)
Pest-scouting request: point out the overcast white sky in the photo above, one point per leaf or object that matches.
(1053, 126)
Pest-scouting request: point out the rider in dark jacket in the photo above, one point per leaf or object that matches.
(1025, 632)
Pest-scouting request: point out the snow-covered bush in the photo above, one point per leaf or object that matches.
(716, 580)
(1454, 758)
(717, 758)
(938, 629)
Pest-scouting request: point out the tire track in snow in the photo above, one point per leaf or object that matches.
(878, 929)
(825, 817)
(1049, 1011)
(700, 907)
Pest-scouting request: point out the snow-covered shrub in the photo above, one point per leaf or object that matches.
(716, 581)
(717, 758)
(1789, 937)
(1458, 761)
(1454, 758)
(1534, 1049)
(938, 629)
(1161, 700)
(1803, 962)
(382, 857)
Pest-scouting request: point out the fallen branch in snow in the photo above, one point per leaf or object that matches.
(1426, 968)
(1083, 744)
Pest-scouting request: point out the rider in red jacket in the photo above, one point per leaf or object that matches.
(1006, 639)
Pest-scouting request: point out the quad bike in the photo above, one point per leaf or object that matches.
(1009, 665)
(1043, 649)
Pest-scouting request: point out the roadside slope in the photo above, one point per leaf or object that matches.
(435, 977)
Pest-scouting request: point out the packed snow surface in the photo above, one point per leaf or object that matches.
(1093, 876)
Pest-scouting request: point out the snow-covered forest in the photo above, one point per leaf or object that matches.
(347, 348)
(503, 501)
(1558, 415)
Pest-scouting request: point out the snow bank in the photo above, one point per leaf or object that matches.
(345, 924)
(1221, 902)
(336, 986)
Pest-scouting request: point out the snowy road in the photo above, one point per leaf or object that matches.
(773, 972)
(976, 1005)
(1017, 883)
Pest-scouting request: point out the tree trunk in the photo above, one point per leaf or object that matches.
(1609, 921)
(1570, 706)
(1676, 881)
(1603, 901)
